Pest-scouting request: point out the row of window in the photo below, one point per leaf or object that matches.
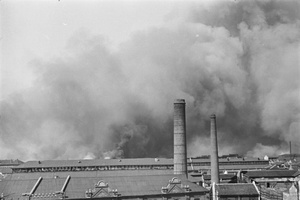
(230, 163)
(93, 168)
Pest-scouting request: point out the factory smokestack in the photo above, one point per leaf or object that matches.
(180, 153)
(214, 159)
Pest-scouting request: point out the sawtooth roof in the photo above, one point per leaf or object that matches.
(236, 189)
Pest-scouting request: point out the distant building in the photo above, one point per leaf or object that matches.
(194, 164)
(6, 165)
(229, 164)
(272, 178)
(108, 179)
(224, 178)
(274, 184)
(235, 191)
(180, 178)
(10, 163)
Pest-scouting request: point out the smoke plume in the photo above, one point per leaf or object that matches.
(237, 59)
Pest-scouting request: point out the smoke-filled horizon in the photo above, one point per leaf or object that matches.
(237, 59)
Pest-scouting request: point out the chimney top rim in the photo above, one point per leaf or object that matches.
(212, 116)
(179, 101)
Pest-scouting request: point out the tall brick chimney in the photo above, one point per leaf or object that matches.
(180, 152)
(214, 159)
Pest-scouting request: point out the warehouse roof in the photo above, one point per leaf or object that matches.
(128, 162)
(95, 162)
(10, 162)
(230, 159)
(271, 173)
(5, 170)
(222, 176)
(77, 186)
(236, 189)
(36, 175)
(229, 167)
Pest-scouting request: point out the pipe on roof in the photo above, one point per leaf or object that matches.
(35, 186)
(65, 184)
(191, 161)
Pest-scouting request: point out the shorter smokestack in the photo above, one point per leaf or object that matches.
(214, 159)
(180, 155)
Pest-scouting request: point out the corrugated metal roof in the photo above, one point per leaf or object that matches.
(5, 170)
(49, 185)
(77, 186)
(128, 185)
(297, 173)
(236, 189)
(222, 176)
(271, 173)
(15, 188)
(36, 175)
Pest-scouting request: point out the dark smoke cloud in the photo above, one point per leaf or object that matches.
(238, 59)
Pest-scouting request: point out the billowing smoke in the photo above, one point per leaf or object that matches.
(238, 59)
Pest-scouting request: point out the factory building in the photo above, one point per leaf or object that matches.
(6, 165)
(82, 185)
(271, 178)
(145, 178)
(180, 178)
(202, 164)
(194, 165)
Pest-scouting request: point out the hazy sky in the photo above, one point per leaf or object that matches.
(34, 29)
(87, 78)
